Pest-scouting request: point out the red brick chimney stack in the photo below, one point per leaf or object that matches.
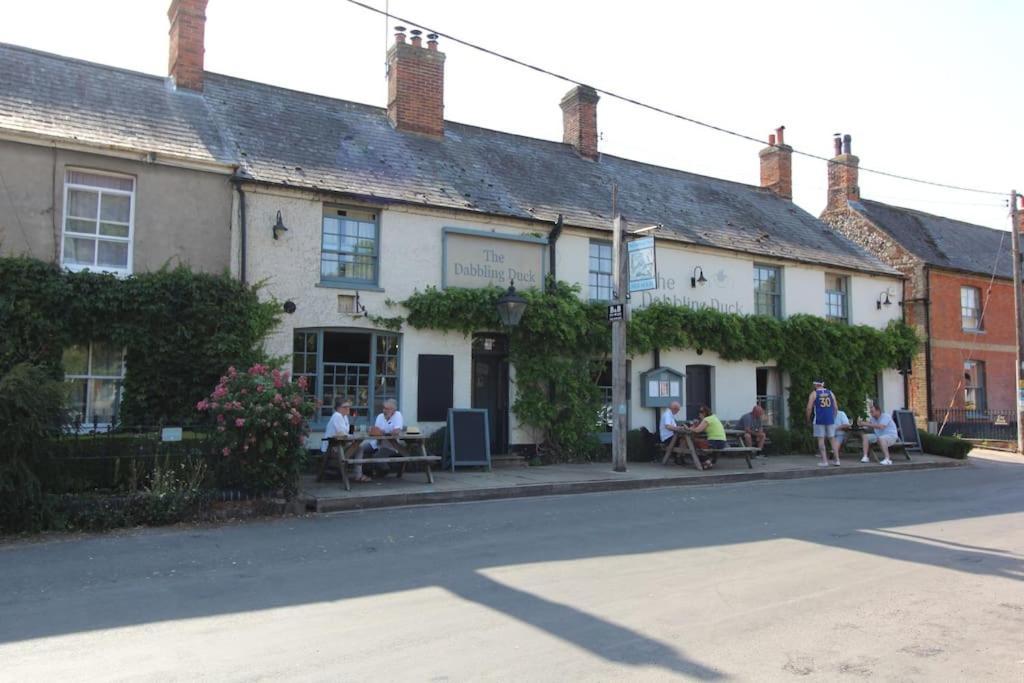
(777, 165)
(416, 84)
(842, 175)
(579, 120)
(187, 46)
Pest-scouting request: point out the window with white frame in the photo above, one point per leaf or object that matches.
(837, 298)
(600, 271)
(349, 248)
(95, 373)
(974, 385)
(768, 290)
(970, 308)
(99, 213)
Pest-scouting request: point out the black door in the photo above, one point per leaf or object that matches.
(490, 386)
(698, 389)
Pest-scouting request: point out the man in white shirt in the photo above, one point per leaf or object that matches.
(338, 425)
(668, 427)
(388, 422)
(842, 427)
(885, 434)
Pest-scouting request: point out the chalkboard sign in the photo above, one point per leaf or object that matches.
(907, 426)
(468, 438)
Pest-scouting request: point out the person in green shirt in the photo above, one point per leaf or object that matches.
(713, 429)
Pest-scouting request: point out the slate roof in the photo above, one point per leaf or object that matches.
(67, 99)
(941, 241)
(301, 140)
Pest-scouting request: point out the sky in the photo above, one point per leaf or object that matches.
(933, 90)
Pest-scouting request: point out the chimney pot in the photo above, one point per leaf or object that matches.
(847, 139)
(432, 41)
(186, 45)
(399, 34)
(778, 132)
(837, 144)
(771, 139)
(579, 120)
(416, 40)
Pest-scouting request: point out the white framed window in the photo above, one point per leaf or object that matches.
(95, 373)
(970, 308)
(837, 298)
(600, 271)
(98, 226)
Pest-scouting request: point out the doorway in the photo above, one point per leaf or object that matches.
(698, 389)
(491, 386)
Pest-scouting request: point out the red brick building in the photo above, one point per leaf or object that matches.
(958, 294)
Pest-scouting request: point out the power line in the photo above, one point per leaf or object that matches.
(660, 110)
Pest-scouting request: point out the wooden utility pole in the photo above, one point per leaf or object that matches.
(1018, 303)
(620, 268)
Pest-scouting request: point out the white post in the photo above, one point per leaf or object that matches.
(1017, 307)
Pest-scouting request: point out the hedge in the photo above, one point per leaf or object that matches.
(948, 446)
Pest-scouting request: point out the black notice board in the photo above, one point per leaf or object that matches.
(468, 437)
(435, 387)
(907, 427)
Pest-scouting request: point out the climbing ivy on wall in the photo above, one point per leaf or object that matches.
(179, 329)
(561, 341)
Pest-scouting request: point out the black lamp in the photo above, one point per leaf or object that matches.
(279, 226)
(883, 302)
(696, 279)
(511, 306)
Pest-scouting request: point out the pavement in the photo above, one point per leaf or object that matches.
(467, 484)
(910, 576)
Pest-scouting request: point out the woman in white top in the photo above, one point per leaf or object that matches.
(339, 424)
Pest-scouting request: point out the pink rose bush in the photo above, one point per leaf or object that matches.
(262, 423)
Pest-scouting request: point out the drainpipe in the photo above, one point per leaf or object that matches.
(928, 343)
(657, 415)
(552, 238)
(906, 371)
(241, 228)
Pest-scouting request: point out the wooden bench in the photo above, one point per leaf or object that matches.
(353, 455)
(904, 446)
(744, 451)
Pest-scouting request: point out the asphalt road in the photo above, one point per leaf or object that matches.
(894, 576)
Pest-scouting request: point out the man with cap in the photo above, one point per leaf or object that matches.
(821, 404)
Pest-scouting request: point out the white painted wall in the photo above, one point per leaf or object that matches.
(411, 260)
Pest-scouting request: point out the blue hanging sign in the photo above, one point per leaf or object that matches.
(643, 271)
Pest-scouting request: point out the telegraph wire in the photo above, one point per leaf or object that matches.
(660, 110)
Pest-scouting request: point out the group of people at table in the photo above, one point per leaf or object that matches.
(827, 420)
(389, 422)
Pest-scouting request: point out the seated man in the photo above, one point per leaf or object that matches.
(842, 428)
(885, 434)
(388, 422)
(338, 426)
(668, 427)
(753, 427)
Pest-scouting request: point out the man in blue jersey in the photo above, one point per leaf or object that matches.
(821, 404)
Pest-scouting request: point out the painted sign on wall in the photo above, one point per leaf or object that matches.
(475, 259)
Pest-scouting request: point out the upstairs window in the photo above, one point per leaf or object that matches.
(970, 308)
(600, 271)
(349, 249)
(837, 298)
(768, 291)
(98, 221)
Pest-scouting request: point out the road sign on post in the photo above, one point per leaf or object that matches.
(616, 312)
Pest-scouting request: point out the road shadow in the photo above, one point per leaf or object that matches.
(161, 575)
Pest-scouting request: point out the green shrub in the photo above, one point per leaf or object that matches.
(782, 441)
(31, 413)
(948, 446)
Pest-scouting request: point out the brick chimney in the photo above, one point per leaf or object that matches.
(842, 175)
(777, 165)
(416, 85)
(188, 28)
(579, 120)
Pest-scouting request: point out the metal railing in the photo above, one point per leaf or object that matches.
(992, 425)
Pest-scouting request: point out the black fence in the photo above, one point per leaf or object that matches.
(989, 425)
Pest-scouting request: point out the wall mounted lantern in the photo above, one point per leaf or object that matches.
(698, 277)
(279, 226)
(511, 306)
(883, 300)
(289, 307)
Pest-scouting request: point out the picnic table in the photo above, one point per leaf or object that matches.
(682, 445)
(348, 450)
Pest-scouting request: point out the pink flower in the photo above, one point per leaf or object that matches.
(232, 372)
(220, 418)
(203, 405)
(302, 382)
(278, 380)
(260, 388)
(258, 369)
(296, 400)
(277, 398)
(239, 422)
(225, 451)
(296, 419)
(220, 392)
